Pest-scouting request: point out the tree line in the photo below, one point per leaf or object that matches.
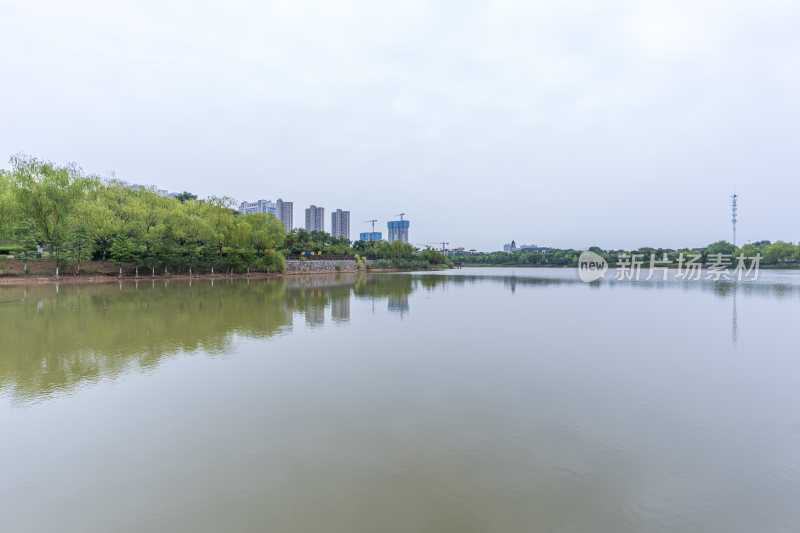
(779, 253)
(78, 218)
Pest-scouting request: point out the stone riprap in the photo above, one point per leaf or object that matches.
(323, 265)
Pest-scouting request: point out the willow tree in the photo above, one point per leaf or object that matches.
(102, 223)
(145, 210)
(46, 194)
(263, 231)
(219, 217)
(7, 204)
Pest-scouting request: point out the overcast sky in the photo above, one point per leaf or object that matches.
(565, 123)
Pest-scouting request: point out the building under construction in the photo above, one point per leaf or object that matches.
(398, 230)
(370, 236)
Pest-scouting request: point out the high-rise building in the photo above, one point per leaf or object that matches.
(340, 224)
(260, 206)
(370, 236)
(398, 230)
(285, 212)
(315, 218)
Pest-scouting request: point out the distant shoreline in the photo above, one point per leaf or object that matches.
(644, 266)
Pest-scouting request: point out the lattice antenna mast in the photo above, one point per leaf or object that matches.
(734, 200)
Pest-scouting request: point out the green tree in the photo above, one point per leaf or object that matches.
(184, 196)
(779, 252)
(79, 242)
(433, 257)
(143, 215)
(298, 241)
(748, 250)
(122, 252)
(219, 217)
(25, 234)
(7, 204)
(720, 247)
(103, 224)
(46, 194)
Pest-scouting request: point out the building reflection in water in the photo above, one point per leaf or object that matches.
(340, 310)
(104, 330)
(398, 304)
(55, 337)
(315, 315)
(734, 320)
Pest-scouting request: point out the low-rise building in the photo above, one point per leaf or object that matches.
(259, 206)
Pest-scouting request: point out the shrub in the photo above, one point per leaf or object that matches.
(433, 257)
(338, 267)
(272, 262)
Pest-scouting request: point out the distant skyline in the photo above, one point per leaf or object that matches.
(567, 124)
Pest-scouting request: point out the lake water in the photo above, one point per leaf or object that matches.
(479, 400)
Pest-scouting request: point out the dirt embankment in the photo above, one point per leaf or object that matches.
(44, 271)
(47, 267)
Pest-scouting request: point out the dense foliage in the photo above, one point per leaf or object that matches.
(778, 253)
(78, 218)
